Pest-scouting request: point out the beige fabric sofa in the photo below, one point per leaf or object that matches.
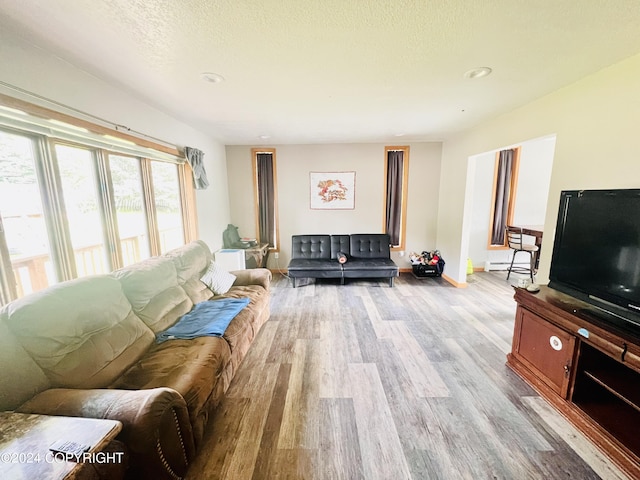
(87, 348)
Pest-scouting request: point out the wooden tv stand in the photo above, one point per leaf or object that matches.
(587, 369)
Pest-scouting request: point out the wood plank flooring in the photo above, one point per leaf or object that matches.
(363, 381)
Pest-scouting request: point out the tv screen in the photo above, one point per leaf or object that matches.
(596, 254)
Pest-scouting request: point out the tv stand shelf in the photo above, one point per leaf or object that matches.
(617, 387)
(585, 367)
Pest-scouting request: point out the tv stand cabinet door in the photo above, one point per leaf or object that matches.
(546, 350)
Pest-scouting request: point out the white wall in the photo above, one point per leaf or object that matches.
(294, 162)
(532, 191)
(597, 146)
(481, 190)
(534, 179)
(34, 70)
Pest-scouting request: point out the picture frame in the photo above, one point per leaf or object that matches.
(332, 190)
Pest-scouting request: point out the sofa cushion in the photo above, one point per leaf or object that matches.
(191, 261)
(340, 244)
(191, 367)
(374, 267)
(153, 290)
(217, 279)
(196, 290)
(245, 326)
(374, 245)
(307, 264)
(20, 377)
(82, 333)
(253, 276)
(243, 329)
(303, 268)
(311, 247)
(206, 319)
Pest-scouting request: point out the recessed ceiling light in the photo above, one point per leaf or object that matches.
(265, 137)
(399, 135)
(212, 77)
(477, 72)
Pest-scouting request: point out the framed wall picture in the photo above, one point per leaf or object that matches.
(332, 190)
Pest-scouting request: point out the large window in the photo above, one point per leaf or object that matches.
(167, 202)
(25, 236)
(396, 185)
(77, 168)
(75, 204)
(128, 195)
(266, 197)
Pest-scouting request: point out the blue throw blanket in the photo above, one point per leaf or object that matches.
(206, 319)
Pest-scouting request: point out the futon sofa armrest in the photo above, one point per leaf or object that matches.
(253, 276)
(155, 424)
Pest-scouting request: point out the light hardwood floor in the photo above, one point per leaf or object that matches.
(363, 381)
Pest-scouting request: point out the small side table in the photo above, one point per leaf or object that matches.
(256, 257)
(25, 440)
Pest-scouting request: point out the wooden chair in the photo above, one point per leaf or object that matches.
(515, 242)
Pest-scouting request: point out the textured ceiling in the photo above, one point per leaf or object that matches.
(317, 71)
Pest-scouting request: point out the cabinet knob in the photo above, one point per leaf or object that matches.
(567, 368)
(555, 343)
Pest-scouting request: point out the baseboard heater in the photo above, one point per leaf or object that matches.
(488, 266)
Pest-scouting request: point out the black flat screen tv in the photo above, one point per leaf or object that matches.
(596, 254)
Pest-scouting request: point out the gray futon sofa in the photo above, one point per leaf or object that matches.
(366, 256)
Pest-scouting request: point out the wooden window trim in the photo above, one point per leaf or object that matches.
(188, 201)
(48, 114)
(187, 190)
(50, 186)
(58, 229)
(108, 205)
(152, 216)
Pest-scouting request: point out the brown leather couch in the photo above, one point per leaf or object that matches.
(87, 348)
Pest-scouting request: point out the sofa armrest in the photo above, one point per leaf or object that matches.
(155, 424)
(253, 276)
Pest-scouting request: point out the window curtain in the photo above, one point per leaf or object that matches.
(194, 158)
(266, 201)
(394, 195)
(501, 205)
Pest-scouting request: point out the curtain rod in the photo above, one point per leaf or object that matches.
(115, 126)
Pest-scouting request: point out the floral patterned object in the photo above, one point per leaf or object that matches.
(332, 190)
